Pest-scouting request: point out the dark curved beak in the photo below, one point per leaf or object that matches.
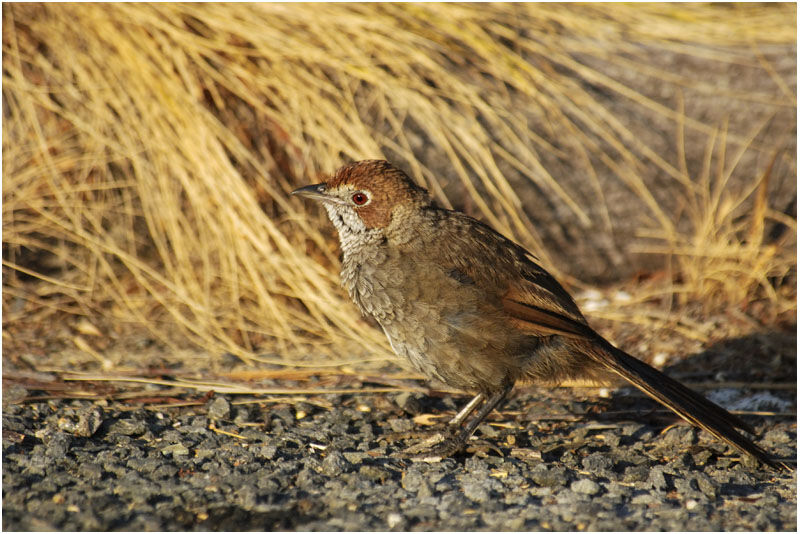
(314, 192)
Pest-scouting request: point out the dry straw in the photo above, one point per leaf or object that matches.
(148, 150)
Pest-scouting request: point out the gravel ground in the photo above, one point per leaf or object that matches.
(330, 462)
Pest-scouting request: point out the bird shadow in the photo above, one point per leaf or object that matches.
(761, 357)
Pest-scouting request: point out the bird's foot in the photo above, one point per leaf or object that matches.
(434, 449)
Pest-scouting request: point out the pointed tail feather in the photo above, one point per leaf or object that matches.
(691, 406)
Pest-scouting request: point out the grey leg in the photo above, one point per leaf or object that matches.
(491, 403)
(466, 410)
(458, 442)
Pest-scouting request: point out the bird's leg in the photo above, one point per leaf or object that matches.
(466, 410)
(441, 436)
(456, 443)
(492, 402)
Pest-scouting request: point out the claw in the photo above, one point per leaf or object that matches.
(434, 449)
(421, 446)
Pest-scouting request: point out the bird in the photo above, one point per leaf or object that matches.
(471, 308)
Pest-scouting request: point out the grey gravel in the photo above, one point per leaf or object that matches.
(78, 465)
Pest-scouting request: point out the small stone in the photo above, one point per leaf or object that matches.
(706, 486)
(701, 458)
(617, 490)
(657, 480)
(488, 431)
(354, 457)
(678, 437)
(632, 429)
(408, 402)
(266, 452)
(142, 465)
(165, 471)
(682, 462)
(394, 520)
(58, 445)
(597, 462)
(201, 454)
(686, 487)
(89, 421)
(475, 491)
(375, 473)
(415, 482)
(246, 497)
(554, 476)
(612, 440)
(644, 498)
(11, 437)
(776, 437)
(84, 423)
(334, 464)
(13, 393)
(569, 459)
(401, 424)
(128, 427)
(200, 422)
(171, 436)
(243, 415)
(585, 487)
(90, 471)
(177, 449)
(219, 408)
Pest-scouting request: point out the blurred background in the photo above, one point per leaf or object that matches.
(646, 153)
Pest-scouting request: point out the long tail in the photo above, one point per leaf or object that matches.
(691, 406)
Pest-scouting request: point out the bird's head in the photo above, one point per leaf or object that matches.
(363, 198)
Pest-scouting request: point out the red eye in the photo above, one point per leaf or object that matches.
(359, 199)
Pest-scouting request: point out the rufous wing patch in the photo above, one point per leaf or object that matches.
(539, 321)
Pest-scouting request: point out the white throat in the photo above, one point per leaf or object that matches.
(353, 233)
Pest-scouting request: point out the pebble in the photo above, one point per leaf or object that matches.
(678, 437)
(597, 462)
(355, 457)
(401, 424)
(585, 487)
(334, 464)
(219, 408)
(12, 394)
(775, 437)
(266, 452)
(409, 403)
(58, 445)
(657, 480)
(394, 520)
(177, 449)
(128, 427)
(549, 477)
(375, 473)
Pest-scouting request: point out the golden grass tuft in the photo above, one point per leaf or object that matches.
(148, 151)
(738, 249)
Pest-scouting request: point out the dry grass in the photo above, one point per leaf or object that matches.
(148, 150)
(739, 250)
